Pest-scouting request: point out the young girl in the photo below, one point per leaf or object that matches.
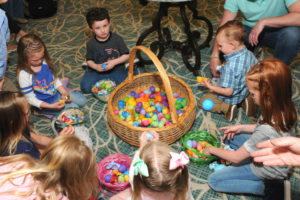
(15, 135)
(157, 172)
(269, 84)
(38, 80)
(67, 170)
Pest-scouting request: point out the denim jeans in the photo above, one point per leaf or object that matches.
(285, 41)
(78, 100)
(237, 178)
(90, 77)
(14, 8)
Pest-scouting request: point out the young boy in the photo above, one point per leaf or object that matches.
(232, 89)
(106, 52)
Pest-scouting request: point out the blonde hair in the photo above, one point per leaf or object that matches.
(66, 167)
(157, 157)
(12, 121)
(233, 30)
(273, 79)
(27, 45)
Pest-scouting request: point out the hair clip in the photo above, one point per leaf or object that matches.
(139, 166)
(178, 160)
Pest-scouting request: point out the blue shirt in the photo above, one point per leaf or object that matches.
(4, 36)
(233, 75)
(43, 86)
(254, 10)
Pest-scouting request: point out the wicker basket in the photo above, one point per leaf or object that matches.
(102, 171)
(71, 112)
(200, 136)
(168, 134)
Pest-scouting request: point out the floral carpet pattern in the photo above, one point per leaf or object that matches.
(66, 34)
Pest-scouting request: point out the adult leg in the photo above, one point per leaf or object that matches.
(239, 180)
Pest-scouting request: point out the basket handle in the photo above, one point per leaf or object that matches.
(162, 73)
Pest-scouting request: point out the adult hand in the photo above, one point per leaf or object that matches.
(230, 131)
(255, 32)
(214, 62)
(145, 135)
(1, 83)
(70, 130)
(284, 151)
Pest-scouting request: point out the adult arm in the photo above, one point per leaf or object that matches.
(290, 19)
(214, 59)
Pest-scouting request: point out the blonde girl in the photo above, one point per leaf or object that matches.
(67, 170)
(157, 172)
(270, 85)
(38, 79)
(15, 134)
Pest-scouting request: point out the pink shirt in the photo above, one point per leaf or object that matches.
(19, 185)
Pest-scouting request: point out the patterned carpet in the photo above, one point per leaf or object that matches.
(65, 36)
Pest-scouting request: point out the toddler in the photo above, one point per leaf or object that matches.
(232, 89)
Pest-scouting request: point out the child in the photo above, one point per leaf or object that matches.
(38, 80)
(67, 170)
(106, 52)
(5, 83)
(270, 85)
(232, 89)
(15, 135)
(157, 172)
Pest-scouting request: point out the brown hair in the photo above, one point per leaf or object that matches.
(157, 157)
(66, 167)
(28, 44)
(233, 30)
(12, 120)
(272, 78)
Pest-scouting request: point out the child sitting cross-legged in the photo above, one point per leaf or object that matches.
(232, 89)
(157, 172)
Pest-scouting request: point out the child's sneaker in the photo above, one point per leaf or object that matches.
(249, 106)
(231, 112)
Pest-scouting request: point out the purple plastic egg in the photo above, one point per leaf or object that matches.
(194, 143)
(152, 88)
(107, 178)
(152, 96)
(137, 109)
(122, 168)
(133, 93)
(139, 104)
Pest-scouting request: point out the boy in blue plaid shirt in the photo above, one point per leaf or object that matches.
(232, 89)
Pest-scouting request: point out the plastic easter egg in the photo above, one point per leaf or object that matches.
(159, 109)
(126, 178)
(142, 94)
(132, 93)
(167, 116)
(199, 147)
(116, 112)
(208, 104)
(122, 168)
(154, 124)
(189, 143)
(107, 178)
(125, 99)
(195, 155)
(189, 152)
(143, 112)
(98, 84)
(154, 117)
(179, 112)
(152, 88)
(183, 102)
(103, 85)
(203, 144)
(149, 135)
(130, 107)
(139, 104)
(145, 122)
(221, 166)
(115, 171)
(157, 89)
(138, 109)
(175, 95)
(194, 143)
(163, 120)
(160, 125)
(135, 123)
(164, 110)
(121, 179)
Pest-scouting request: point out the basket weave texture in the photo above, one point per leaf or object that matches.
(161, 79)
(200, 136)
(102, 171)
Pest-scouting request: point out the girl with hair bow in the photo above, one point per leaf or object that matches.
(157, 172)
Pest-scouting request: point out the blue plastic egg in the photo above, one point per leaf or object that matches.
(208, 104)
(189, 143)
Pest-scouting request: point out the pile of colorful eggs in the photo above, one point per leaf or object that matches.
(104, 87)
(197, 146)
(69, 119)
(117, 173)
(148, 108)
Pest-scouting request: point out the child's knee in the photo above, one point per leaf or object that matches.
(85, 86)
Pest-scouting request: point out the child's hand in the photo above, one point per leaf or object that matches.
(206, 83)
(230, 131)
(66, 97)
(58, 105)
(109, 65)
(148, 136)
(70, 130)
(206, 151)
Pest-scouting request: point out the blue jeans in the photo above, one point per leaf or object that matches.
(90, 77)
(285, 41)
(239, 178)
(78, 100)
(14, 8)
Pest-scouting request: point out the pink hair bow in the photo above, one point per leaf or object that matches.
(178, 160)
